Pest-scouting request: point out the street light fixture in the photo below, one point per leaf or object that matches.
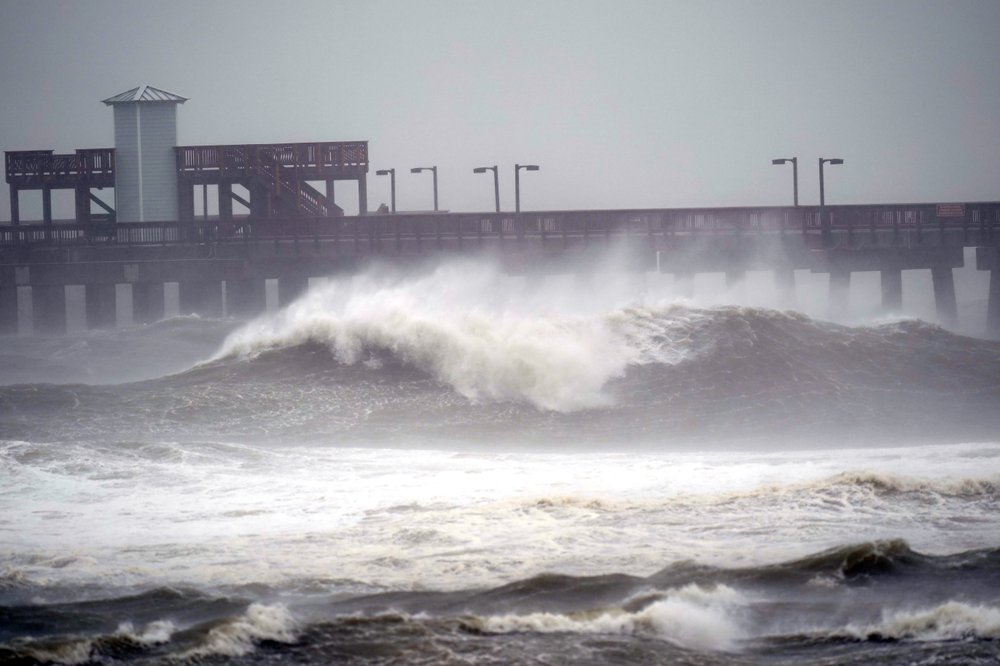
(434, 170)
(392, 184)
(822, 195)
(496, 181)
(795, 174)
(517, 183)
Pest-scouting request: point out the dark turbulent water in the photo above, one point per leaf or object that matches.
(452, 469)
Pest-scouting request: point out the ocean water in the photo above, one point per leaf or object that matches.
(460, 467)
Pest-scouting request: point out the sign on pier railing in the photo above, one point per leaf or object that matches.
(950, 210)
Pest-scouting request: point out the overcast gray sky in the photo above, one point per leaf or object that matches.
(623, 104)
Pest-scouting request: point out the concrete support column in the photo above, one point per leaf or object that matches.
(784, 282)
(840, 289)
(362, 195)
(101, 305)
(8, 310)
(203, 298)
(993, 308)
(892, 289)
(48, 305)
(944, 296)
(330, 190)
(290, 287)
(684, 285)
(245, 299)
(147, 302)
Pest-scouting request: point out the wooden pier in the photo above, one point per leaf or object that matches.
(221, 264)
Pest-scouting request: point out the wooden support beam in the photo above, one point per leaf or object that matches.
(99, 202)
(226, 197)
(101, 305)
(48, 305)
(203, 298)
(81, 203)
(993, 306)
(147, 302)
(243, 201)
(15, 206)
(8, 310)
(47, 205)
(245, 298)
(362, 194)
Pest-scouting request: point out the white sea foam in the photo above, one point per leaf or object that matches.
(154, 633)
(269, 514)
(238, 636)
(469, 326)
(691, 616)
(889, 483)
(949, 621)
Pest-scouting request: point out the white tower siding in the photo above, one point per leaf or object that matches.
(126, 163)
(145, 162)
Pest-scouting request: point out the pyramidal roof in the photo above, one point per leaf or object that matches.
(145, 94)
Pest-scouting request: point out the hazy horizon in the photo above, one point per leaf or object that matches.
(644, 104)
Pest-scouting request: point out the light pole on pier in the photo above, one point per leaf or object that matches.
(517, 183)
(496, 182)
(824, 222)
(392, 184)
(433, 170)
(795, 174)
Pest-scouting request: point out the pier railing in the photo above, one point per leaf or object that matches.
(41, 167)
(979, 223)
(324, 158)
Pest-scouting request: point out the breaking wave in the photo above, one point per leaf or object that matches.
(465, 326)
(691, 617)
(238, 636)
(950, 621)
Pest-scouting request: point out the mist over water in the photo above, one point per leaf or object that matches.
(456, 464)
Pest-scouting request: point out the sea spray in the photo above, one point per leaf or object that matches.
(461, 325)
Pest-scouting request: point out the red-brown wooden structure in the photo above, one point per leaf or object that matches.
(277, 177)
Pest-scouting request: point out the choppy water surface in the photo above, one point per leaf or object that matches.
(456, 468)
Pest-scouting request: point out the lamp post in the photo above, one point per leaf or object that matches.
(496, 182)
(392, 184)
(824, 222)
(517, 183)
(795, 174)
(434, 171)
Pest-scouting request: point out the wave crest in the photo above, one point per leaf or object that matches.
(691, 617)
(238, 636)
(448, 325)
(951, 621)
